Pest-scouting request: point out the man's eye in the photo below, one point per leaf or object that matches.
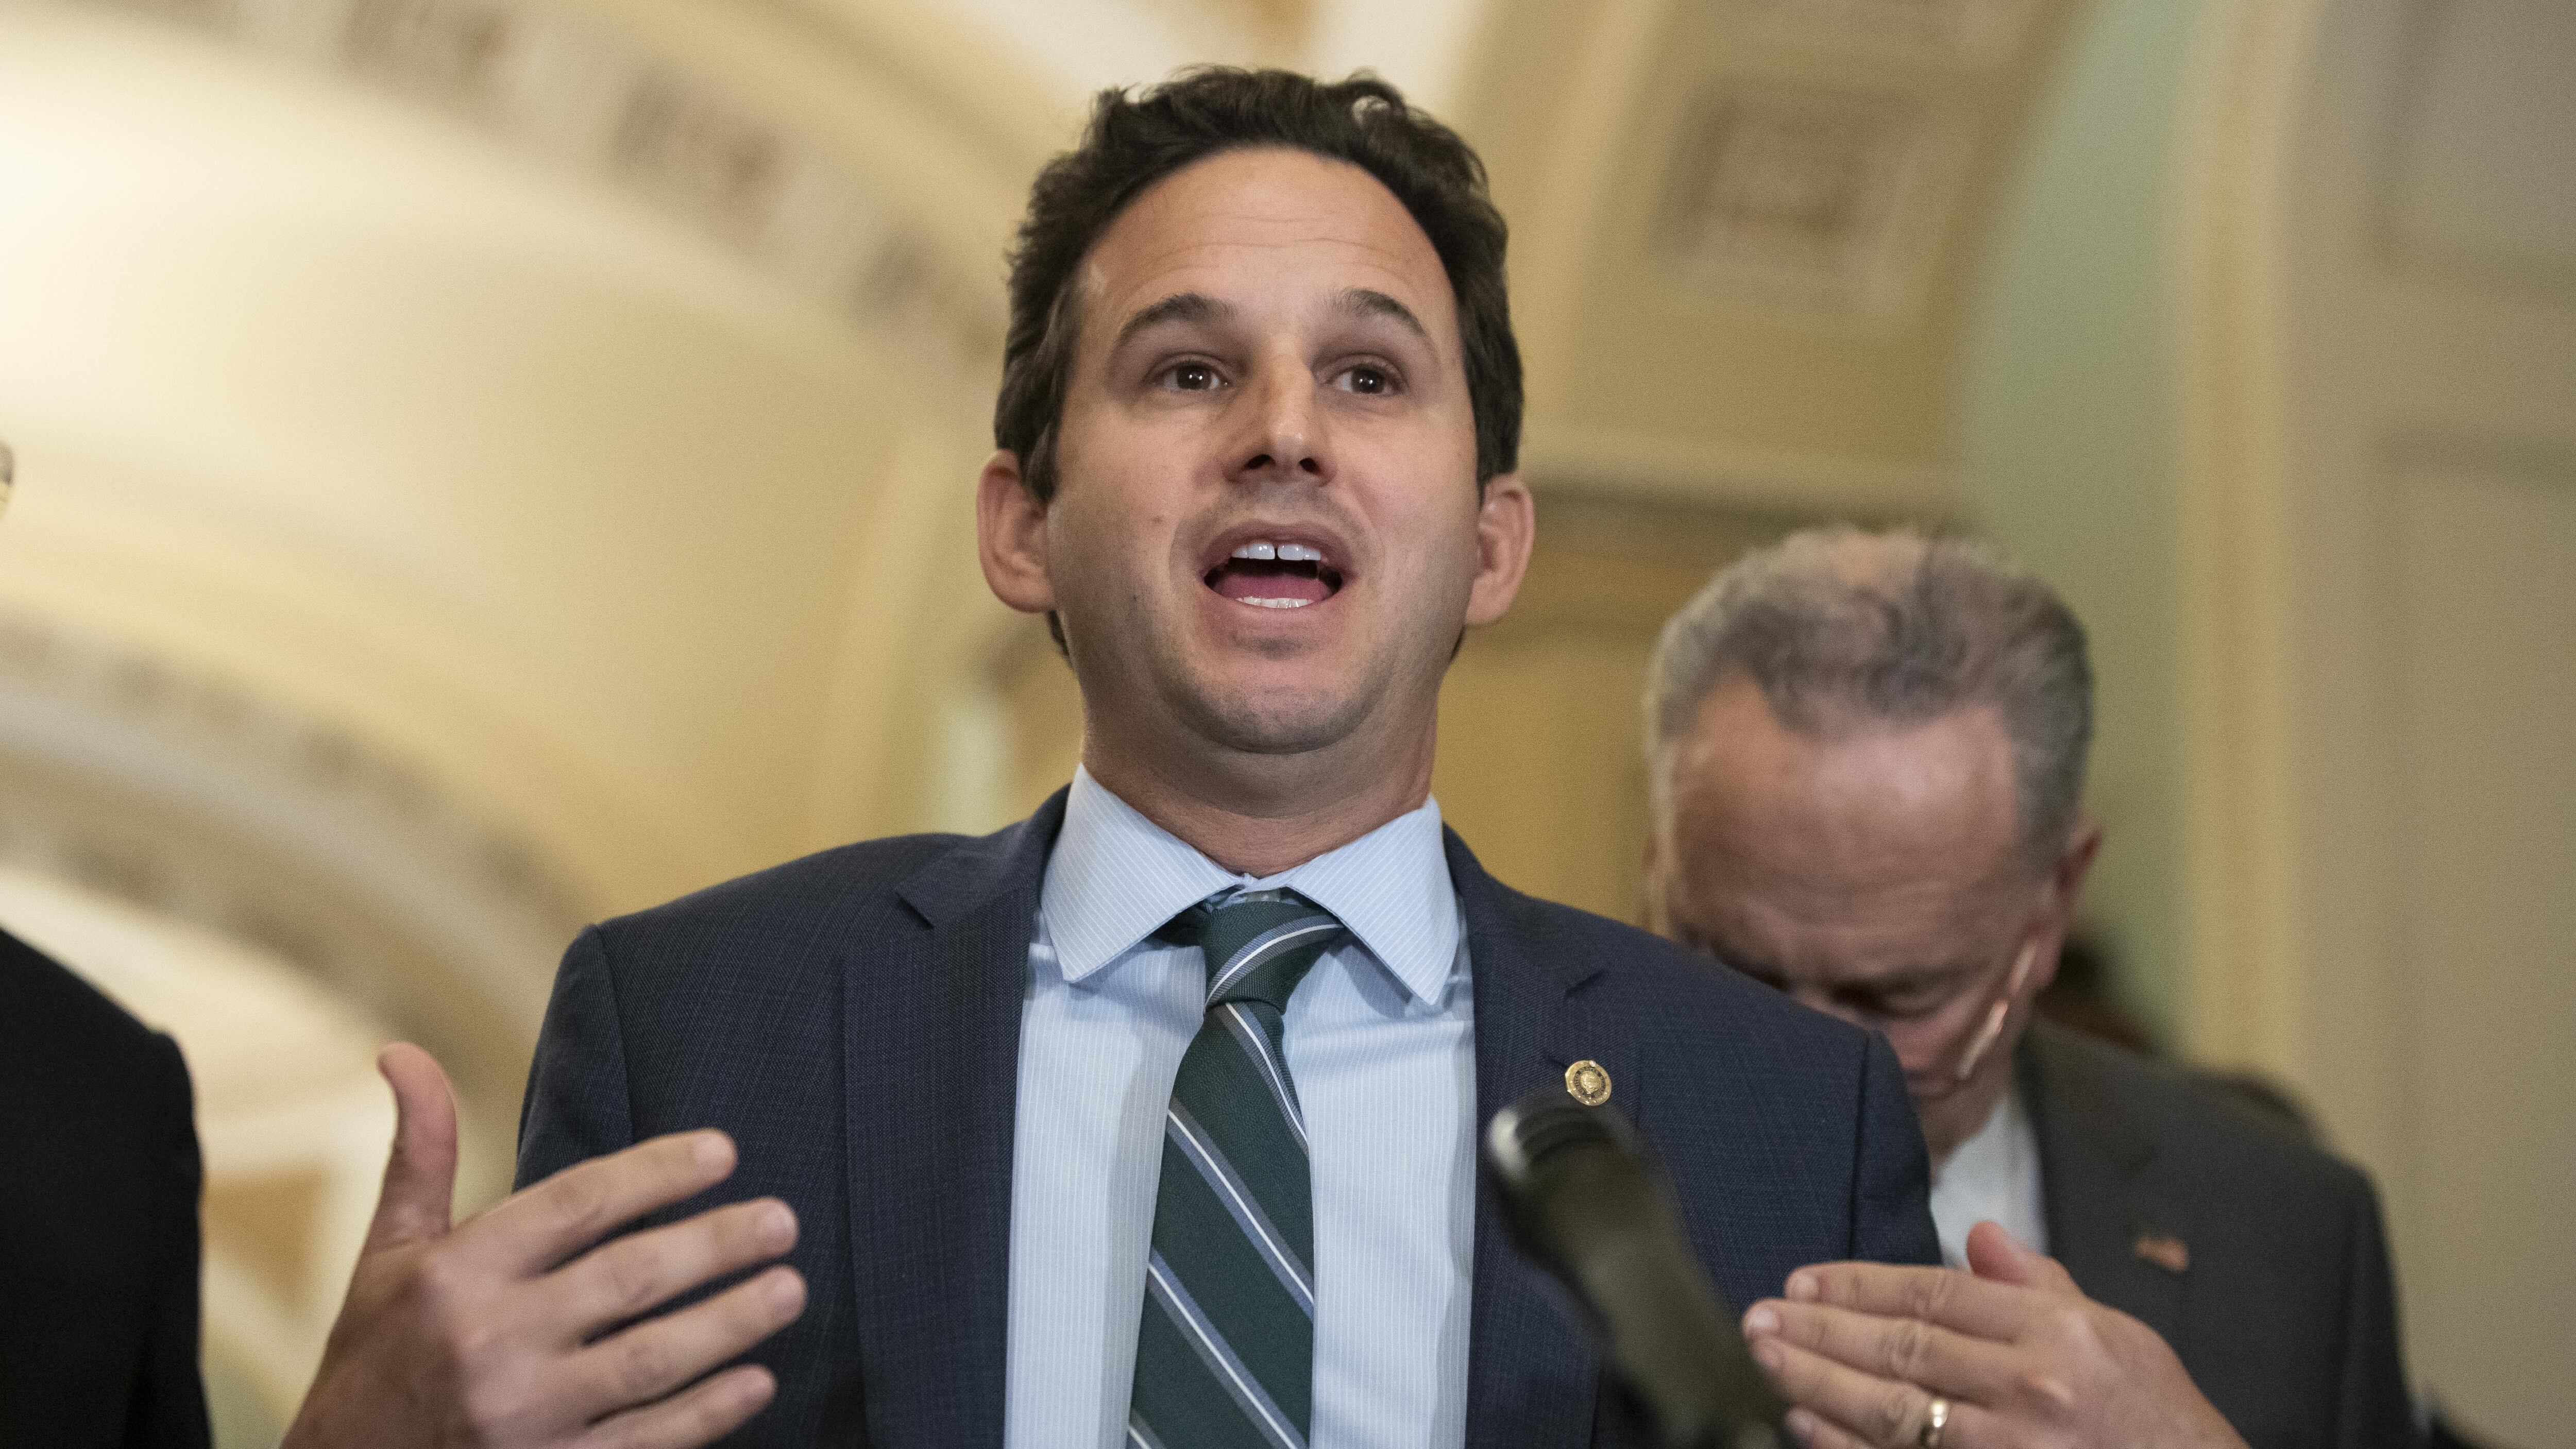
(1367, 379)
(1909, 1005)
(1191, 377)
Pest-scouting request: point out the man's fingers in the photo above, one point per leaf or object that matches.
(1943, 1296)
(1905, 1349)
(641, 1364)
(536, 1228)
(1857, 1408)
(1996, 1255)
(706, 1413)
(627, 1278)
(418, 1200)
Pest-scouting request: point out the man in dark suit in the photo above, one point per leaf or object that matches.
(1868, 753)
(98, 1220)
(1153, 1119)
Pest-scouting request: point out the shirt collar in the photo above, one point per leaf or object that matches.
(1995, 1153)
(1115, 877)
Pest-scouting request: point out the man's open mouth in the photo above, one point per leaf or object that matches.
(1271, 574)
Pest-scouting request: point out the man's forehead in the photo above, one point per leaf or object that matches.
(1846, 925)
(1254, 227)
(1877, 800)
(1812, 886)
(1198, 309)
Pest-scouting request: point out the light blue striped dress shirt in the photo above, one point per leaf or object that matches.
(1380, 1042)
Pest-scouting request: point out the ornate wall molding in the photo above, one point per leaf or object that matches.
(195, 797)
(206, 721)
(570, 88)
(1812, 197)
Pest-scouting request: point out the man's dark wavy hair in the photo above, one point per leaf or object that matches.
(1136, 140)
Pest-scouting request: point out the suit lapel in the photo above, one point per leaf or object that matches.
(2106, 1219)
(1531, 1370)
(932, 1035)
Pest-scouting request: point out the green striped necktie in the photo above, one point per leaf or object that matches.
(1225, 1354)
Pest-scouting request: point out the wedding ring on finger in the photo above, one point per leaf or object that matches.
(1936, 1422)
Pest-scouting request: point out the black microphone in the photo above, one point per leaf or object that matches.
(1584, 1201)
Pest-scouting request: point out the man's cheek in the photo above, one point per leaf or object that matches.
(1920, 1050)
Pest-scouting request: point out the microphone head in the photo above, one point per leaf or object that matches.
(1585, 1201)
(1548, 1149)
(1533, 1130)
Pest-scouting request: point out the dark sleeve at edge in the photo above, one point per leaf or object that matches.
(1891, 1171)
(576, 1106)
(2377, 1412)
(168, 1410)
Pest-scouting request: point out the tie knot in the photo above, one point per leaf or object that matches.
(1258, 944)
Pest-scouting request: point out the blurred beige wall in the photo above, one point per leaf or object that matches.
(2273, 378)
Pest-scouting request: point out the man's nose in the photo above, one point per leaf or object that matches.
(1285, 432)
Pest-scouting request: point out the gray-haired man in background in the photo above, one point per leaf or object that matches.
(1867, 757)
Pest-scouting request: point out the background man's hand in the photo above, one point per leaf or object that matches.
(489, 1333)
(2022, 1355)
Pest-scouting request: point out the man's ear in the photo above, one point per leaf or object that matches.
(2074, 864)
(2066, 891)
(1654, 898)
(1506, 526)
(1010, 536)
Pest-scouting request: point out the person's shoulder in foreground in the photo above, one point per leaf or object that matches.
(671, 1006)
(849, 1021)
(2258, 1255)
(98, 1220)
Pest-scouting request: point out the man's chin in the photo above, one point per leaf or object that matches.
(1280, 721)
(1279, 734)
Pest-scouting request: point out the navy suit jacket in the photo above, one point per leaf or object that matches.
(2273, 1288)
(853, 1019)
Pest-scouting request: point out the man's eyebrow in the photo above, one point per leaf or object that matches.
(1914, 978)
(1363, 302)
(1178, 307)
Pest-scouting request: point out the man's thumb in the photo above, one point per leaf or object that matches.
(1997, 1256)
(419, 1196)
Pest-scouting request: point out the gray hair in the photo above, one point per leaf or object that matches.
(1836, 624)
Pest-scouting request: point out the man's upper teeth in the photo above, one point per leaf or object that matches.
(1267, 551)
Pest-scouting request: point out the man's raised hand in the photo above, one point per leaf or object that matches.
(497, 1331)
(2019, 1354)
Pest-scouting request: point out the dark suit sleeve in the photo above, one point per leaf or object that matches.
(2376, 1412)
(168, 1410)
(1892, 1173)
(577, 1105)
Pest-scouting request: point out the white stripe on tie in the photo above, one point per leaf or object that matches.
(1247, 1214)
(1212, 1349)
(1256, 1045)
(1265, 946)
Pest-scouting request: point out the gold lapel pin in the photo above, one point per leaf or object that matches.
(1587, 1082)
(2164, 1250)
